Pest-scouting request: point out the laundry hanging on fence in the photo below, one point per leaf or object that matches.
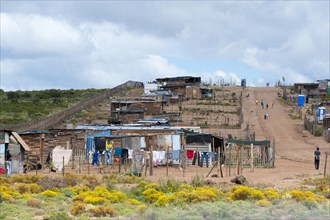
(190, 154)
(130, 154)
(175, 155)
(158, 157)
(118, 151)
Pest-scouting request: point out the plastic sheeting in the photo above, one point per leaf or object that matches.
(58, 154)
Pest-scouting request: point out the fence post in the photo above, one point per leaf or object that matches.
(63, 167)
(252, 165)
(325, 164)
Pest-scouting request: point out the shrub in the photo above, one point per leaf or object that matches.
(263, 203)
(162, 201)
(94, 200)
(92, 181)
(271, 194)
(245, 193)
(34, 202)
(201, 194)
(197, 181)
(132, 202)
(68, 192)
(103, 211)
(168, 185)
(152, 195)
(35, 188)
(58, 215)
(22, 188)
(141, 208)
(49, 193)
(305, 196)
(310, 203)
(77, 208)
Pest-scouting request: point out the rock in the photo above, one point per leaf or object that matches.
(304, 133)
(241, 180)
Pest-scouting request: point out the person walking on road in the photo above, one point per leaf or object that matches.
(317, 155)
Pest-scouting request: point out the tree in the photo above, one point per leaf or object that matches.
(13, 96)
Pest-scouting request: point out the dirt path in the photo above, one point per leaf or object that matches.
(294, 153)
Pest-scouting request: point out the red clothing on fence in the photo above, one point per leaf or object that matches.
(190, 154)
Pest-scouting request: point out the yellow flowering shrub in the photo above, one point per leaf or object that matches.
(132, 202)
(271, 194)
(217, 192)
(142, 184)
(95, 200)
(186, 187)
(151, 186)
(162, 201)
(245, 193)
(152, 195)
(263, 203)
(35, 188)
(182, 195)
(305, 195)
(141, 208)
(78, 189)
(201, 194)
(49, 193)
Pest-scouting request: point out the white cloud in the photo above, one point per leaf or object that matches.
(25, 35)
(102, 44)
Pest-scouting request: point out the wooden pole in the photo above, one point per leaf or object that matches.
(325, 163)
(145, 163)
(88, 170)
(184, 155)
(63, 167)
(252, 165)
(150, 161)
(42, 144)
(230, 159)
(218, 159)
(79, 170)
(237, 159)
(167, 160)
(73, 152)
(241, 160)
(274, 153)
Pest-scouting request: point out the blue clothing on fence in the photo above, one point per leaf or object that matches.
(118, 152)
(206, 156)
(95, 158)
(176, 155)
(213, 156)
(108, 156)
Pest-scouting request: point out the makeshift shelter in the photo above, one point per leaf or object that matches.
(204, 143)
(12, 148)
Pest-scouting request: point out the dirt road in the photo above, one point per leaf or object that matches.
(294, 153)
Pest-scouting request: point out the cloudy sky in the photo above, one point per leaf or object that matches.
(100, 44)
